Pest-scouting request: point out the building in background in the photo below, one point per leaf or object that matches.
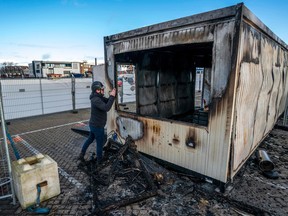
(54, 68)
(86, 69)
(60, 69)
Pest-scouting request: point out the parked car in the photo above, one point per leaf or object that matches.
(130, 80)
(120, 82)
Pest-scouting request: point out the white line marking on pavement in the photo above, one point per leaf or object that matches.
(71, 179)
(28, 132)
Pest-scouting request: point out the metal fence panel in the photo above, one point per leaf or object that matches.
(31, 97)
(5, 178)
(6, 184)
(56, 95)
(83, 91)
(21, 98)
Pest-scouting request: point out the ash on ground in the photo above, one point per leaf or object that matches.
(128, 183)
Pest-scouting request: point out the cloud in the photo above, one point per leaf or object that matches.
(48, 46)
(16, 58)
(99, 58)
(79, 4)
(76, 3)
(89, 57)
(76, 46)
(46, 56)
(32, 45)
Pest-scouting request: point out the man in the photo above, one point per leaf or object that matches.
(100, 105)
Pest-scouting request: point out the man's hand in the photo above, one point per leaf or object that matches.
(113, 92)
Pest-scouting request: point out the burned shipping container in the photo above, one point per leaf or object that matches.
(201, 92)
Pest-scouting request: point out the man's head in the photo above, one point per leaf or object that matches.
(97, 87)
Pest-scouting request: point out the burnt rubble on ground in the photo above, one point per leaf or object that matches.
(126, 179)
(121, 178)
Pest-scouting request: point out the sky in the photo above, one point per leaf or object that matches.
(73, 30)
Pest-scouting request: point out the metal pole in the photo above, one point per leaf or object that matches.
(3, 122)
(73, 94)
(285, 118)
(41, 95)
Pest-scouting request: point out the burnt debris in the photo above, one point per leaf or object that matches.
(120, 179)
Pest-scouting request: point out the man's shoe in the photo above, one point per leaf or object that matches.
(81, 157)
(99, 161)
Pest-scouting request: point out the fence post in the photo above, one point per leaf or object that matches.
(41, 95)
(285, 117)
(73, 94)
(8, 161)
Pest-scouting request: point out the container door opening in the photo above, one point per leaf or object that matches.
(126, 87)
(170, 83)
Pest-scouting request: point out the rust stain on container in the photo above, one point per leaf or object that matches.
(145, 128)
(156, 129)
(176, 140)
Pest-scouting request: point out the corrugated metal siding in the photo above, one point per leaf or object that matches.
(261, 93)
(218, 151)
(220, 14)
(167, 141)
(199, 34)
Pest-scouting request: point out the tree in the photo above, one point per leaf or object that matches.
(7, 67)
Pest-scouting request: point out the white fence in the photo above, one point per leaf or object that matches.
(30, 97)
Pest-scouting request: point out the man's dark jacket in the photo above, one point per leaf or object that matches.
(99, 108)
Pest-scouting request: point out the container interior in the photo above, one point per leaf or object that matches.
(171, 82)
